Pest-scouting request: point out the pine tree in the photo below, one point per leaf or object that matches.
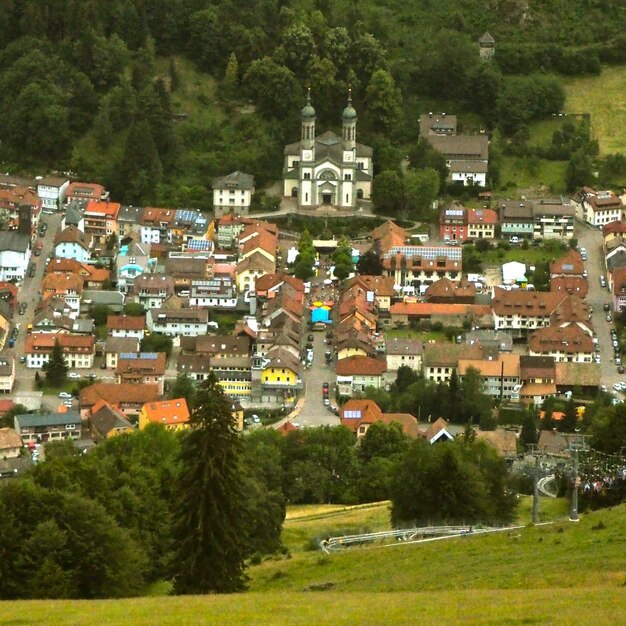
(211, 525)
(174, 76)
(56, 368)
(231, 78)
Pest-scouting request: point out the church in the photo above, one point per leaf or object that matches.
(328, 170)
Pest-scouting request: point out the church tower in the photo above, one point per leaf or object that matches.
(308, 124)
(349, 124)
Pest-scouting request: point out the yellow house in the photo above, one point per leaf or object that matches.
(173, 414)
(282, 370)
(238, 415)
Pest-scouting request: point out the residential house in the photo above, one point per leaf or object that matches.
(232, 194)
(520, 311)
(173, 414)
(85, 192)
(18, 203)
(114, 346)
(437, 124)
(233, 374)
(356, 373)
(190, 224)
(280, 376)
(493, 340)
(354, 343)
(10, 443)
(453, 223)
(538, 379)
(7, 372)
(568, 275)
(51, 190)
(78, 350)
(189, 322)
(500, 376)
(129, 221)
(516, 220)
(184, 268)
(152, 290)
(72, 243)
(93, 277)
(44, 427)
(15, 255)
(446, 291)
(553, 218)
(359, 415)
(478, 315)
(441, 359)
(126, 326)
(214, 293)
(101, 220)
(379, 290)
(73, 217)
(554, 443)
(417, 267)
(195, 366)
(251, 268)
(68, 287)
(142, 368)
(156, 224)
(569, 343)
(128, 397)
(612, 230)
(618, 288)
(599, 207)
(217, 346)
(481, 223)
(268, 286)
(403, 352)
(133, 260)
(107, 421)
(467, 156)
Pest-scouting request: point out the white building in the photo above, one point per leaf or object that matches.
(78, 350)
(328, 170)
(233, 194)
(51, 190)
(185, 322)
(469, 172)
(14, 255)
(7, 372)
(218, 293)
(600, 207)
(72, 243)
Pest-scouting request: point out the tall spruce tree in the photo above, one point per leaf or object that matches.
(56, 368)
(211, 510)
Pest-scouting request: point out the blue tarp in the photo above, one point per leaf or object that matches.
(320, 315)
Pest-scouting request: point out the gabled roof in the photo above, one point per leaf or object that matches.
(382, 286)
(578, 374)
(30, 420)
(481, 216)
(569, 265)
(108, 418)
(126, 322)
(444, 288)
(9, 439)
(71, 234)
(361, 366)
(569, 339)
(461, 147)
(61, 283)
(575, 285)
(403, 346)
(14, 241)
(614, 228)
(447, 354)
(281, 358)
(525, 303)
(504, 441)
(357, 409)
(108, 210)
(438, 430)
(507, 365)
(124, 393)
(146, 363)
(389, 235)
(256, 262)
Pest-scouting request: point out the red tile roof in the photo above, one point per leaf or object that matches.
(575, 285)
(482, 216)
(125, 393)
(570, 339)
(614, 228)
(108, 210)
(569, 265)
(126, 322)
(360, 366)
(44, 342)
(167, 411)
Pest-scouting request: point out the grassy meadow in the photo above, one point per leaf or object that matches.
(559, 574)
(603, 97)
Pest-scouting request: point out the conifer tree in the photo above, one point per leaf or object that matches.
(56, 368)
(211, 524)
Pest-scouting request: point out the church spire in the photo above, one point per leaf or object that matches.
(349, 118)
(308, 122)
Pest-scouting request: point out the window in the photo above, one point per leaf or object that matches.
(307, 176)
(347, 177)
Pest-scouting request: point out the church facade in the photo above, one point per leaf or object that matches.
(328, 169)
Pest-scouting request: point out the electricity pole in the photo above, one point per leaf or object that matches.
(576, 445)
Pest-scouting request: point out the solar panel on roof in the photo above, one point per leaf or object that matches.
(198, 245)
(568, 266)
(151, 356)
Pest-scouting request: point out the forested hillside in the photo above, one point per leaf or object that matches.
(92, 85)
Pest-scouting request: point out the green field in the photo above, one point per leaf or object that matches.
(525, 175)
(561, 574)
(603, 97)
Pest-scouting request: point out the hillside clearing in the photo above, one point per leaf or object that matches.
(603, 97)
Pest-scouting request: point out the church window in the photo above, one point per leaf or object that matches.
(360, 165)
(307, 176)
(327, 175)
(347, 176)
(347, 198)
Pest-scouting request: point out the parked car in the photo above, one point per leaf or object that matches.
(607, 306)
(22, 359)
(609, 317)
(23, 306)
(73, 375)
(620, 369)
(33, 269)
(64, 394)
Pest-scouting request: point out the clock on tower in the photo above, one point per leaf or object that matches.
(307, 155)
(348, 156)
